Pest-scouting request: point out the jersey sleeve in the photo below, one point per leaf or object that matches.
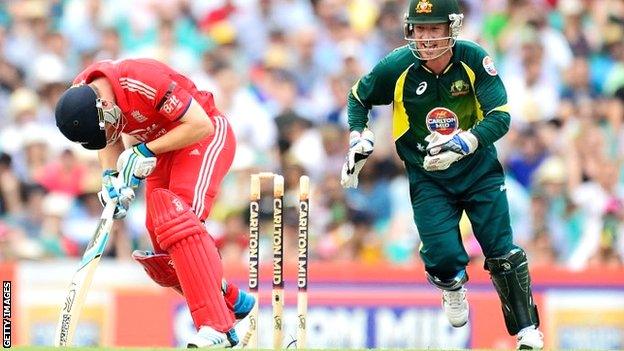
(492, 98)
(375, 88)
(154, 86)
(174, 103)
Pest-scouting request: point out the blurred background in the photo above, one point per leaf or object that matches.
(281, 70)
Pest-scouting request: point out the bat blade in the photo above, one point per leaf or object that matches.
(81, 281)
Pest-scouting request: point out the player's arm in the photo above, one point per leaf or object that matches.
(492, 97)
(195, 125)
(376, 88)
(108, 155)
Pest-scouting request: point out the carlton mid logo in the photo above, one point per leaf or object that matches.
(442, 120)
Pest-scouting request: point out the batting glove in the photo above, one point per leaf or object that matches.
(113, 190)
(444, 150)
(360, 147)
(135, 164)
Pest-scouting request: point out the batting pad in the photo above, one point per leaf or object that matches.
(195, 257)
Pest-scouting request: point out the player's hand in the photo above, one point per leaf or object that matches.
(135, 164)
(444, 150)
(114, 190)
(460, 142)
(360, 147)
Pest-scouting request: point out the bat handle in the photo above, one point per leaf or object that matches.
(109, 209)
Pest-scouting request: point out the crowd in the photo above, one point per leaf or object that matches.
(280, 71)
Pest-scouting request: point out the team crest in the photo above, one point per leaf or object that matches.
(138, 116)
(424, 6)
(460, 88)
(442, 120)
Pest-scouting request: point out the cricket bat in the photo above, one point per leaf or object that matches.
(81, 281)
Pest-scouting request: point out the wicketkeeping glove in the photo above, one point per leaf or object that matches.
(113, 190)
(135, 164)
(444, 150)
(360, 147)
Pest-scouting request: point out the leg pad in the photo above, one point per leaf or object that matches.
(195, 256)
(510, 275)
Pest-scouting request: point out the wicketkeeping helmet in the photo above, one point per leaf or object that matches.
(432, 12)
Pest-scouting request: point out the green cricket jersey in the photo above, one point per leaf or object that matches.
(469, 94)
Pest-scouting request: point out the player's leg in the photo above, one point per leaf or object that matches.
(488, 211)
(198, 267)
(157, 263)
(159, 267)
(437, 218)
(196, 176)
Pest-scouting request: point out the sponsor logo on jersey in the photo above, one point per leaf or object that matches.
(421, 88)
(424, 6)
(138, 116)
(460, 88)
(442, 120)
(488, 64)
(171, 104)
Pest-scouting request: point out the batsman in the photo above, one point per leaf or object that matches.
(184, 147)
(449, 107)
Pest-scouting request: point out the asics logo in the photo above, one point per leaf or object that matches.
(421, 88)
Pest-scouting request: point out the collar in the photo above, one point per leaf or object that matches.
(108, 70)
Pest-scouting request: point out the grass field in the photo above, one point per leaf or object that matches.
(40, 348)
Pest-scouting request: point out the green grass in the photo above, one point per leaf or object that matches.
(48, 348)
(42, 348)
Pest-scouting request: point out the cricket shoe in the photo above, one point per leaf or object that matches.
(207, 337)
(244, 304)
(455, 306)
(530, 338)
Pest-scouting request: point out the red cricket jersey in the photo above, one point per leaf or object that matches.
(151, 95)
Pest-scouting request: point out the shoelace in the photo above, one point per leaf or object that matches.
(455, 298)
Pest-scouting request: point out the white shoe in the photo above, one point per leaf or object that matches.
(530, 338)
(455, 306)
(210, 338)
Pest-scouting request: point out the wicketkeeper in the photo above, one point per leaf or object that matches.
(449, 107)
